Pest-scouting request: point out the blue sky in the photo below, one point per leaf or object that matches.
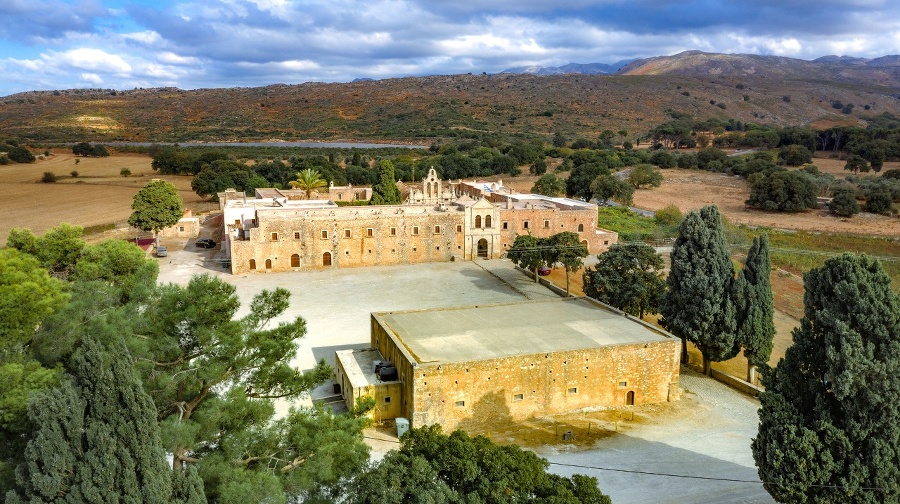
(124, 44)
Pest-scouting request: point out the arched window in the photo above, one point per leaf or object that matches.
(295, 261)
(268, 264)
(253, 264)
(487, 221)
(326, 259)
(477, 221)
(581, 228)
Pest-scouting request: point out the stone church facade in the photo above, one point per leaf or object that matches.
(438, 223)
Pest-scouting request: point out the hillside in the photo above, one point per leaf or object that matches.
(760, 89)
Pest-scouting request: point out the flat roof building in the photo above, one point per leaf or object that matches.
(472, 364)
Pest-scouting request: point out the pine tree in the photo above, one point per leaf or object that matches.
(697, 306)
(755, 307)
(829, 429)
(97, 439)
(385, 191)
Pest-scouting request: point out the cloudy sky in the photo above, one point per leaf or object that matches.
(124, 44)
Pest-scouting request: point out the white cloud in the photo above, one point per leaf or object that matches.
(89, 59)
(92, 78)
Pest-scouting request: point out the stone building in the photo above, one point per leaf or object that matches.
(461, 367)
(439, 222)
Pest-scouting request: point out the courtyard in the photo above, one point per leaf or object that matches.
(695, 450)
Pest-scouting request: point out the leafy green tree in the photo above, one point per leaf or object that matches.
(578, 185)
(156, 206)
(628, 276)
(879, 201)
(308, 180)
(829, 425)
(539, 167)
(219, 175)
(27, 295)
(195, 351)
(843, 203)
(559, 140)
(607, 187)
(795, 155)
(474, 469)
(119, 263)
(20, 155)
(549, 185)
(97, 439)
(856, 163)
(697, 305)
(58, 250)
(528, 252)
(755, 306)
(783, 191)
(565, 248)
(645, 175)
(385, 191)
(663, 159)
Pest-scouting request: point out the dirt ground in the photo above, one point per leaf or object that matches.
(98, 196)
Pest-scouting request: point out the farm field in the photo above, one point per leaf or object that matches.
(98, 196)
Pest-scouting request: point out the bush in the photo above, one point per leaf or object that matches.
(74, 173)
(783, 191)
(892, 174)
(670, 216)
(795, 155)
(844, 203)
(879, 202)
(48, 178)
(125, 172)
(4, 160)
(644, 175)
(20, 155)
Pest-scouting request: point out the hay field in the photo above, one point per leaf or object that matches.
(98, 196)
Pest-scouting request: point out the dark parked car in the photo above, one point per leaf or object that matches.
(205, 243)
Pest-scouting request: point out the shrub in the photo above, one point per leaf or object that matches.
(125, 172)
(20, 155)
(786, 99)
(783, 191)
(668, 216)
(74, 173)
(892, 174)
(4, 160)
(879, 202)
(844, 203)
(48, 178)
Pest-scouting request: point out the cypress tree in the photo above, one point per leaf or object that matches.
(97, 439)
(829, 429)
(755, 307)
(697, 305)
(385, 191)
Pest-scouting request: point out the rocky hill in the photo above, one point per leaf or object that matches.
(761, 89)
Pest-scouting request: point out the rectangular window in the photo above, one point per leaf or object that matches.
(393, 231)
(387, 400)
(437, 229)
(546, 224)
(274, 236)
(324, 234)
(340, 196)
(606, 242)
(347, 233)
(518, 397)
(459, 404)
(573, 390)
(415, 230)
(296, 235)
(181, 229)
(623, 384)
(459, 229)
(525, 224)
(370, 232)
(505, 225)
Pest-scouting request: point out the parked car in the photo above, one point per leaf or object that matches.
(205, 243)
(544, 271)
(161, 251)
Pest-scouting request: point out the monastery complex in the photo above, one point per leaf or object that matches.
(277, 231)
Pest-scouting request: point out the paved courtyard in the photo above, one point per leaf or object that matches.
(708, 438)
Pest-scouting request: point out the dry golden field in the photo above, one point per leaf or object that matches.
(98, 196)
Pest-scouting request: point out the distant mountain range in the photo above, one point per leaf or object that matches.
(884, 70)
(576, 100)
(571, 68)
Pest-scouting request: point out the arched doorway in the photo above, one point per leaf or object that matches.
(584, 242)
(482, 248)
(253, 264)
(268, 264)
(295, 261)
(629, 398)
(326, 259)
